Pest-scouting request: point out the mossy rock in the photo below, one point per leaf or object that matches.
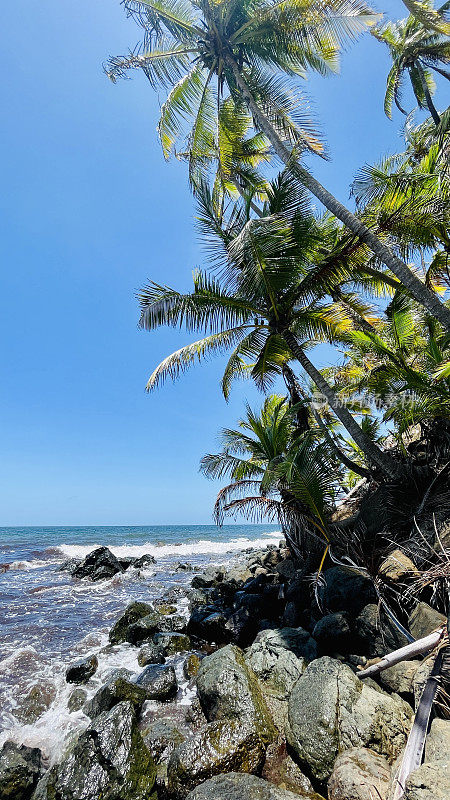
(133, 613)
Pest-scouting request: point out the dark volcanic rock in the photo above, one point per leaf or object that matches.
(80, 671)
(191, 666)
(333, 634)
(19, 771)
(69, 565)
(144, 561)
(235, 786)
(207, 623)
(346, 590)
(133, 613)
(109, 761)
(150, 654)
(118, 689)
(376, 633)
(98, 565)
(158, 682)
(161, 738)
(77, 699)
(171, 643)
(146, 627)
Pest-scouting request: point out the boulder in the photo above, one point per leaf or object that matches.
(132, 613)
(222, 746)
(69, 565)
(438, 741)
(109, 761)
(281, 769)
(77, 700)
(158, 682)
(359, 774)
(278, 658)
(345, 589)
(228, 689)
(146, 627)
(19, 771)
(400, 678)
(209, 624)
(143, 561)
(331, 710)
(36, 702)
(171, 643)
(240, 627)
(191, 666)
(164, 608)
(235, 786)
(376, 632)
(210, 577)
(116, 690)
(430, 782)
(150, 654)
(333, 634)
(425, 620)
(397, 567)
(98, 565)
(83, 669)
(161, 738)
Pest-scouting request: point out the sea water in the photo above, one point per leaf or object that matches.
(49, 619)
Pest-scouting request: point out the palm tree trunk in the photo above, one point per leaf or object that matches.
(374, 455)
(417, 289)
(426, 91)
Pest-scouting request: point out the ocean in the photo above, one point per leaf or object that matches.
(49, 619)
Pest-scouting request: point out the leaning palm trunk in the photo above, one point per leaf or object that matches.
(417, 289)
(383, 461)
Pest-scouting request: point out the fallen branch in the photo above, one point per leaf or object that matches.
(416, 648)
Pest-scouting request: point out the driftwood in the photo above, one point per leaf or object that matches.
(416, 648)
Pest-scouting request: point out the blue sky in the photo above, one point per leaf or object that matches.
(89, 211)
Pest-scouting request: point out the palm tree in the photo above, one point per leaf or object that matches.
(416, 51)
(253, 49)
(267, 304)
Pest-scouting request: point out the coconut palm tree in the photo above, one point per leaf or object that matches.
(416, 51)
(251, 50)
(264, 304)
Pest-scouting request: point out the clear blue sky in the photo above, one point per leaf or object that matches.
(89, 211)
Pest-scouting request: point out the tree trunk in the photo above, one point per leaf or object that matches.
(385, 463)
(426, 91)
(416, 288)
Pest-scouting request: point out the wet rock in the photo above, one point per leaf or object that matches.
(346, 590)
(116, 690)
(191, 666)
(19, 771)
(376, 632)
(212, 576)
(77, 700)
(109, 761)
(69, 565)
(240, 573)
(164, 608)
(83, 669)
(161, 738)
(209, 624)
(400, 678)
(280, 769)
(222, 746)
(235, 786)
(133, 613)
(425, 620)
(278, 658)
(228, 689)
(438, 741)
(430, 782)
(171, 643)
(158, 682)
(150, 654)
(333, 634)
(146, 627)
(36, 702)
(359, 774)
(184, 567)
(144, 561)
(239, 628)
(398, 567)
(99, 565)
(331, 710)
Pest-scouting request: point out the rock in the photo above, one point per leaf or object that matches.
(397, 567)
(421, 676)
(36, 702)
(280, 769)
(109, 761)
(209, 624)
(235, 786)
(222, 746)
(98, 565)
(333, 634)
(438, 741)
(83, 669)
(144, 561)
(184, 567)
(240, 627)
(132, 613)
(376, 632)
(191, 666)
(77, 700)
(19, 771)
(146, 627)
(345, 589)
(331, 710)
(171, 643)
(278, 658)
(69, 565)
(430, 782)
(116, 690)
(425, 620)
(286, 568)
(164, 608)
(150, 654)
(228, 689)
(240, 573)
(400, 677)
(159, 682)
(359, 774)
(292, 615)
(161, 738)
(210, 577)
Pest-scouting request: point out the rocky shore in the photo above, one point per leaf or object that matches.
(278, 711)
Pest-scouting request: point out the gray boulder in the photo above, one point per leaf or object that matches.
(171, 643)
(430, 782)
(424, 619)
(98, 565)
(278, 658)
(150, 654)
(158, 682)
(281, 769)
(438, 741)
(77, 699)
(400, 678)
(19, 771)
(116, 690)
(109, 761)
(133, 613)
(235, 786)
(161, 738)
(331, 710)
(359, 774)
(83, 669)
(36, 702)
(146, 627)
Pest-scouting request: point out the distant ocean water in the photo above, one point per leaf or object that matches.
(48, 619)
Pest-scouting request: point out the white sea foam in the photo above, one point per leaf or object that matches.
(200, 547)
(27, 565)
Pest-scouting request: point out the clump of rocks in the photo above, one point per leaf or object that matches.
(101, 564)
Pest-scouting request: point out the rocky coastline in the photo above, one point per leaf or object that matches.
(277, 709)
